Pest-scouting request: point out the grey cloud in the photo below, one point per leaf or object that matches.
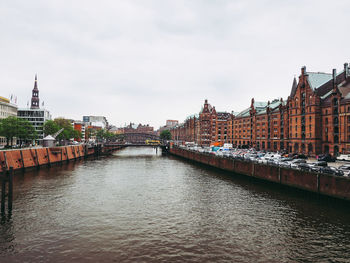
(152, 60)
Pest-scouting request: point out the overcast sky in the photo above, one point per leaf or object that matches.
(151, 60)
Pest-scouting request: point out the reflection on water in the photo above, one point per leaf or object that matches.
(138, 206)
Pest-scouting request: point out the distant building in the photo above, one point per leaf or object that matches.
(81, 127)
(134, 128)
(36, 116)
(169, 125)
(6, 109)
(97, 121)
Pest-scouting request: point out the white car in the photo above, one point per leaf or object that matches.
(345, 169)
(344, 157)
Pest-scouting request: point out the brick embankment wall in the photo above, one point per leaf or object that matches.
(334, 186)
(35, 157)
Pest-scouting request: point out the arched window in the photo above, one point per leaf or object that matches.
(335, 120)
(296, 147)
(335, 101)
(336, 139)
(310, 148)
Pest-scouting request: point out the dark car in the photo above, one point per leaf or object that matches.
(326, 157)
(332, 170)
(298, 156)
(321, 163)
(318, 166)
(304, 167)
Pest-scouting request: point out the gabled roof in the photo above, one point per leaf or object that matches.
(244, 113)
(294, 87)
(260, 104)
(317, 79)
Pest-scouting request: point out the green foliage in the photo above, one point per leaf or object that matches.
(13, 127)
(104, 134)
(89, 133)
(51, 127)
(26, 131)
(165, 135)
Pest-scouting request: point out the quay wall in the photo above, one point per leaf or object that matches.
(323, 184)
(21, 159)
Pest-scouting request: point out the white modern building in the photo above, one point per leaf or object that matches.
(97, 121)
(6, 109)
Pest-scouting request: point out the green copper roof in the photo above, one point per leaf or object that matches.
(317, 79)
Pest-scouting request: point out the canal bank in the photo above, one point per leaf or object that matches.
(22, 159)
(323, 184)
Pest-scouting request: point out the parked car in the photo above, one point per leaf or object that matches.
(344, 157)
(332, 170)
(295, 163)
(326, 157)
(345, 169)
(299, 156)
(304, 166)
(318, 166)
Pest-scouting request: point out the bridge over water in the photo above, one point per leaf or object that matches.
(137, 139)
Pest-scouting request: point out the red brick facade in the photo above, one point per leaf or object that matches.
(314, 119)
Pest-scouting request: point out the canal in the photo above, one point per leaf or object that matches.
(138, 206)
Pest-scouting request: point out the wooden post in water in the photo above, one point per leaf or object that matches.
(48, 157)
(22, 160)
(3, 192)
(10, 189)
(37, 159)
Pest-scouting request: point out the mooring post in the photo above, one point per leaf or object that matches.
(48, 157)
(67, 159)
(3, 189)
(10, 190)
(37, 159)
(22, 160)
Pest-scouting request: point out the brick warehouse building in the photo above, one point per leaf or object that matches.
(314, 119)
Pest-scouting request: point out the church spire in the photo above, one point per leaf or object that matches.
(35, 95)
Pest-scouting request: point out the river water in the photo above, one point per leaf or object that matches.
(138, 206)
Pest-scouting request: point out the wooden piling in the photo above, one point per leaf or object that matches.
(48, 157)
(10, 189)
(22, 160)
(37, 160)
(3, 193)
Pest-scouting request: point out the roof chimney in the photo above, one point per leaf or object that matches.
(303, 70)
(334, 77)
(346, 70)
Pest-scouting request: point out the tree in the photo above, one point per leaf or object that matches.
(68, 132)
(9, 129)
(165, 135)
(90, 133)
(25, 131)
(51, 127)
(13, 127)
